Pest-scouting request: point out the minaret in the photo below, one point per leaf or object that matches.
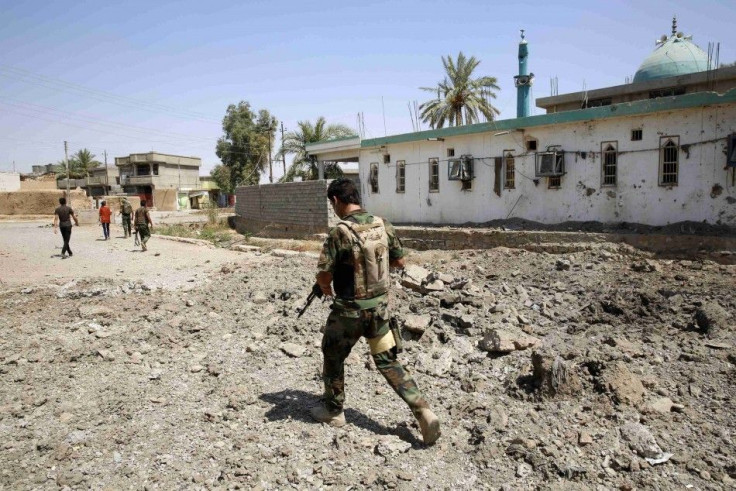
(523, 81)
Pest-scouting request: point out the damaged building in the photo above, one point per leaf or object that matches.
(656, 151)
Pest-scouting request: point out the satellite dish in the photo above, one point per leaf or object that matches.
(679, 34)
(663, 38)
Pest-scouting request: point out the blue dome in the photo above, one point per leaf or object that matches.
(675, 56)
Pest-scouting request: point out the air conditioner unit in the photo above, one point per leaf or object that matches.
(731, 156)
(550, 163)
(460, 169)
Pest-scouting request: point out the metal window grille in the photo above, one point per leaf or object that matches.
(554, 182)
(610, 164)
(434, 175)
(669, 162)
(636, 135)
(510, 171)
(400, 176)
(450, 152)
(374, 177)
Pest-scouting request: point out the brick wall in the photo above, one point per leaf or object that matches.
(288, 210)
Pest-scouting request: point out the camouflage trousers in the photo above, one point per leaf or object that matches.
(343, 329)
(126, 224)
(143, 232)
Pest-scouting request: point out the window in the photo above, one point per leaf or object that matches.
(450, 152)
(400, 176)
(597, 102)
(609, 160)
(554, 182)
(509, 164)
(669, 148)
(666, 92)
(386, 158)
(155, 169)
(636, 135)
(373, 178)
(434, 175)
(531, 145)
(550, 163)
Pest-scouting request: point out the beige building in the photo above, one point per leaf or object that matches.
(163, 180)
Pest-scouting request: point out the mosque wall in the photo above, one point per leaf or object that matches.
(705, 189)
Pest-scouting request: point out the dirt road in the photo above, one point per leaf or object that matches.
(30, 253)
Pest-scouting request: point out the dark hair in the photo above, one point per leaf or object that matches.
(143, 202)
(343, 189)
(62, 201)
(104, 203)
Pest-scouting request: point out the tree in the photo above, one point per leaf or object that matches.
(221, 175)
(244, 148)
(460, 98)
(295, 142)
(80, 165)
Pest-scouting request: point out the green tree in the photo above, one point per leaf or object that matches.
(221, 175)
(460, 98)
(81, 164)
(244, 148)
(295, 142)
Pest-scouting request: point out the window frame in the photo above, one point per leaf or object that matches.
(664, 146)
(450, 152)
(509, 154)
(401, 176)
(550, 181)
(604, 155)
(374, 186)
(434, 165)
(640, 135)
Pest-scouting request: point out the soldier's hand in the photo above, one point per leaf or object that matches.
(327, 290)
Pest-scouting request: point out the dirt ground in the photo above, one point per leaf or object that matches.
(186, 367)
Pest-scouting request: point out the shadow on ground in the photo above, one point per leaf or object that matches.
(295, 404)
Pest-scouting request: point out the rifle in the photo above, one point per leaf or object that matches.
(316, 292)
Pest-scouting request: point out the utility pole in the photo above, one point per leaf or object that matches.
(106, 183)
(66, 161)
(283, 155)
(270, 161)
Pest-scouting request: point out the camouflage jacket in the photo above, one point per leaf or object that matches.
(337, 258)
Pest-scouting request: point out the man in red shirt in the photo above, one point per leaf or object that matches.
(105, 214)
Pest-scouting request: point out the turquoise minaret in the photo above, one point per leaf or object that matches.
(523, 81)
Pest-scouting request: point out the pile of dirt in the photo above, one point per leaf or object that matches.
(40, 202)
(592, 370)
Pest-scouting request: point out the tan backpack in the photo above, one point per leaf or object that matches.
(370, 254)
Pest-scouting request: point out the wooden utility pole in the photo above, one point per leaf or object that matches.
(270, 161)
(283, 154)
(66, 161)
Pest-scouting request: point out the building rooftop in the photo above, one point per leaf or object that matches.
(675, 55)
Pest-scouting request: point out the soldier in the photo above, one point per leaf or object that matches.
(143, 224)
(355, 257)
(126, 209)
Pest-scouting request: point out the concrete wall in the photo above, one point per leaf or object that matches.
(705, 191)
(163, 199)
(9, 181)
(293, 210)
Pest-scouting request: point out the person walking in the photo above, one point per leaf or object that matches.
(355, 259)
(143, 224)
(63, 216)
(104, 219)
(126, 210)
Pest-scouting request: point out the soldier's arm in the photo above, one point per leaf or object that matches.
(326, 263)
(396, 252)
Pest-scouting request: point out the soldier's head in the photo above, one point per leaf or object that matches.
(62, 201)
(344, 190)
(143, 202)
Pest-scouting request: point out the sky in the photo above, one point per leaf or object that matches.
(130, 77)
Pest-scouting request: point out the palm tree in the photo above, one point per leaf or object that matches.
(295, 142)
(83, 162)
(459, 96)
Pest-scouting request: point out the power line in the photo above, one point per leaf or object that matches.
(27, 76)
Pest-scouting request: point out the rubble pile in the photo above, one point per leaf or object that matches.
(592, 370)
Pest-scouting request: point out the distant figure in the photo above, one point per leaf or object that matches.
(126, 210)
(62, 220)
(143, 224)
(105, 214)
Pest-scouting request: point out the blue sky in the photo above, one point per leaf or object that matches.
(129, 77)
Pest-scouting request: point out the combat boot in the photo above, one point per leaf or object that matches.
(323, 415)
(429, 424)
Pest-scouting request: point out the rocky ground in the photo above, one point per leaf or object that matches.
(603, 369)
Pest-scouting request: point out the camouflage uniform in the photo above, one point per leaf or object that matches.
(141, 224)
(351, 318)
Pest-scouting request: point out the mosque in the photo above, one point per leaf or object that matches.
(658, 150)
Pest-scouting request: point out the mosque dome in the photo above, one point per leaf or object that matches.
(676, 55)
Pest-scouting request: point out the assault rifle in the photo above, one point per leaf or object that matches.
(316, 292)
